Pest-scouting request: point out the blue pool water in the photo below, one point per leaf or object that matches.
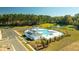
(44, 32)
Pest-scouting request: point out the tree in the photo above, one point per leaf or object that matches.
(68, 19)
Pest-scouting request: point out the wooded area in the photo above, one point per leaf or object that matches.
(27, 19)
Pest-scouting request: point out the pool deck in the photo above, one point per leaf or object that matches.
(47, 34)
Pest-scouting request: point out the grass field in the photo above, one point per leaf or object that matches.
(64, 44)
(21, 29)
(59, 45)
(46, 25)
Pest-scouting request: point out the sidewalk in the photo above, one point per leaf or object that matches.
(24, 40)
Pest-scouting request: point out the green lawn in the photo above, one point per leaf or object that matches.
(58, 45)
(21, 29)
(46, 25)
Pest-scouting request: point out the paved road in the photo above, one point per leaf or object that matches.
(12, 37)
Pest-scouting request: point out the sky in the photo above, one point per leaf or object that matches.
(51, 11)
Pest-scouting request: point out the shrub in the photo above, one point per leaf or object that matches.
(53, 40)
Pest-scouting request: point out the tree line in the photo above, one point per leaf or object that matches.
(30, 19)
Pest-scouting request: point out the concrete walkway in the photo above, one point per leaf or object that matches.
(24, 40)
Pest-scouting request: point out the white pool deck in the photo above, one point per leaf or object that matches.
(42, 33)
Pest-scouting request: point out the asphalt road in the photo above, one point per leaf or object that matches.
(13, 39)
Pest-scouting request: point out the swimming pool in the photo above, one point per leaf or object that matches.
(44, 32)
(38, 33)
